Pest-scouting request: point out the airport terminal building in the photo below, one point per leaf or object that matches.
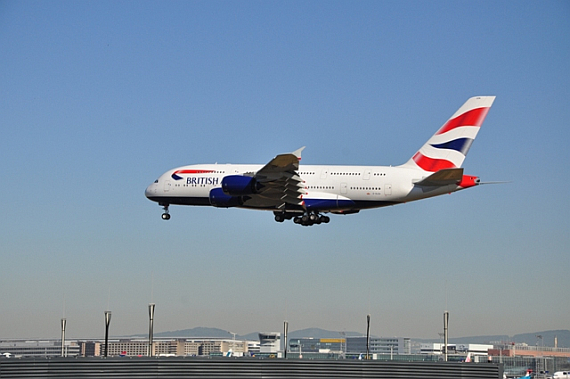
(379, 345)
(351, 345)
(39, 349)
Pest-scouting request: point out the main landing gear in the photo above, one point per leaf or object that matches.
(165, 215)
(307, 219)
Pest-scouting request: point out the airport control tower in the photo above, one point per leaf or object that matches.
(269, 343)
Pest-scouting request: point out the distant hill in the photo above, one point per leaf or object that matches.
(547, 338)
(528, 338)
(220, 333)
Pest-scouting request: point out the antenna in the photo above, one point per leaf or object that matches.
(285, 330)
(63, 324)
(150, 327)
(107, 322)
(445, 333)
(367, 336)
(151, 307)
(445, 325)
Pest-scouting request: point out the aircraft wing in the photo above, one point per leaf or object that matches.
(280, 181)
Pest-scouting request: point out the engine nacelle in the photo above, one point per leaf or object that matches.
(221, 200)
(238, 185)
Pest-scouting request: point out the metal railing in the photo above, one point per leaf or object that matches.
(179, 367)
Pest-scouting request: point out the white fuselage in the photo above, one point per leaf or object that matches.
(366, 186)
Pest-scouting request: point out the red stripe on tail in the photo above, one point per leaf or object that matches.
(430, 164)
(474, 117)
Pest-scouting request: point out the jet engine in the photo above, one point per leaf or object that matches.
(238, 185)
(221, 200)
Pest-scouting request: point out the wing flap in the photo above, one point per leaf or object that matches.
(280, 180)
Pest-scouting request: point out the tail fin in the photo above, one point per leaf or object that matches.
(448, 147)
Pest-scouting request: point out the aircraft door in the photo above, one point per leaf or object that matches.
(387, 190)
(343, 188)
(167, 185)
(366, 175)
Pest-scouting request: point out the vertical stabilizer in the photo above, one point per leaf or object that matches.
(448, 147)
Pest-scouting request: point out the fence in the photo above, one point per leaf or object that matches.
(179, 367)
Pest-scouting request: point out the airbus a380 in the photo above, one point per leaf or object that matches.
(307, 193)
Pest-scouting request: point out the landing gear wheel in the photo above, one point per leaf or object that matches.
(311, 218)
(165, 215)
(279, 218)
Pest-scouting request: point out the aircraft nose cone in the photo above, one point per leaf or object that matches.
(150, 190)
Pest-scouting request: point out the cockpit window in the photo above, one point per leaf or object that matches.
(156, 181)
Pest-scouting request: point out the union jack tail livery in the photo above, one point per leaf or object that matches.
(448, 147)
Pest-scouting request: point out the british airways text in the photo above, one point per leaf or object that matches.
(202, 180)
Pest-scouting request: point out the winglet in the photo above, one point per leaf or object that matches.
(281, 164)
(297, 152)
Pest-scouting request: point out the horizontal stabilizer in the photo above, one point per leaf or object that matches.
(442, 178)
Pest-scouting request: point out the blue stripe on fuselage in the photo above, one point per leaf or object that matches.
(328, 204)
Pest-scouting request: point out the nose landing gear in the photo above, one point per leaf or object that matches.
(165, 215)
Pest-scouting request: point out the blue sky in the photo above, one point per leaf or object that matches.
(98, 98)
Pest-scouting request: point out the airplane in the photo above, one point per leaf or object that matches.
(306, 193)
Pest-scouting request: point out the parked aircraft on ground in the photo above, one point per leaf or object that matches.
(306, 193)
